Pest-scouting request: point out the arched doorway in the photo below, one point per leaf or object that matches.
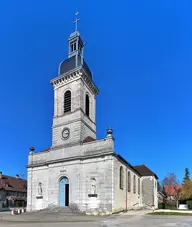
(64, 192)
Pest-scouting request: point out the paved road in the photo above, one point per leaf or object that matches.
(58, 220)
(148, 221)
(49, 220)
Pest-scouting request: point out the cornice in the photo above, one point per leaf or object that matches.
(69, 113)
(72, 75)
(89, 82)
(81, 158)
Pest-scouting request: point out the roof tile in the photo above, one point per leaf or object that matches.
(144, 171)
(9, 183)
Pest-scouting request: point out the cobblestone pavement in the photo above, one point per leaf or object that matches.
(121, 220)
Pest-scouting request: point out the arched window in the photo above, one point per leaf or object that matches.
(67, 101)
(87, 105)
(129, 182)
(134, 184)
(121, 172)
(139, 186)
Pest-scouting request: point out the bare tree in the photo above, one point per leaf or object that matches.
(172, 187)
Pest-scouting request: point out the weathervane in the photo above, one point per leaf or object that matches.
(76, 21)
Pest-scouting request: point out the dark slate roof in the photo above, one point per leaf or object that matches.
(45, 150)
(144, 171)
(126, 162)
(70, 64)
(88, 139)
(14, 184)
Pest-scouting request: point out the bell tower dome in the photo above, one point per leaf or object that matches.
(74, 97)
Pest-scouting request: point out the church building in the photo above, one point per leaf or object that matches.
(78, 170)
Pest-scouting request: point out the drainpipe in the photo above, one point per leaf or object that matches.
(126, 189)
(32, 149)
(153, 199)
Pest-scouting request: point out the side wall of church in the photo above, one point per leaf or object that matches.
(122, 198)
(149, 191)
(155, 192)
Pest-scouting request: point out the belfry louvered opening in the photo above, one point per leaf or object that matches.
(67, 101)
(87, 105)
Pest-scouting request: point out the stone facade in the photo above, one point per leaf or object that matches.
(91, 160)
(149, 191)
(90, 168)
(79, 124)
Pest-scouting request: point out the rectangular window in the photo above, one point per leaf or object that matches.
(74, 46)
(129, 182)
(134, 184)
(121, 177)
(139, 186)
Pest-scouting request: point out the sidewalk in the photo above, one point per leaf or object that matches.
(136, 212)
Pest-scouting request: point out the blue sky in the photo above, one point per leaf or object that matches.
(140, 53)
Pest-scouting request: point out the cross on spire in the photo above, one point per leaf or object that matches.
(76, 21)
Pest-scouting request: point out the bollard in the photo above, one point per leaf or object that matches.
(14, 211)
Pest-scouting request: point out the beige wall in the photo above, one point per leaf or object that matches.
(149, 191)
(155, 192)
(122, 198)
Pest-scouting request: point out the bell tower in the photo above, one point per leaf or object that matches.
(74, 97)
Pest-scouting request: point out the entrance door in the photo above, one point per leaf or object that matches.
(64, 192)
(67, 195)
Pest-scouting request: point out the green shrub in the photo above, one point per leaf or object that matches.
(189, 203)
(161, 206)
(169, 206)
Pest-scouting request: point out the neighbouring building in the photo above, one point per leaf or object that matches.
(172, 191)
(161, 197)
(13, 191)
(78, 169)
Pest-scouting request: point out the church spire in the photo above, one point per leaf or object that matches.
(75, 42)
(76, 21)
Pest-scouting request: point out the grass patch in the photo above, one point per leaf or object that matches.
(171, 213)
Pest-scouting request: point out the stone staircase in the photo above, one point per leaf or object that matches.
(59, 211)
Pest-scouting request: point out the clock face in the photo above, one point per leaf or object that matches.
(65, 133)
